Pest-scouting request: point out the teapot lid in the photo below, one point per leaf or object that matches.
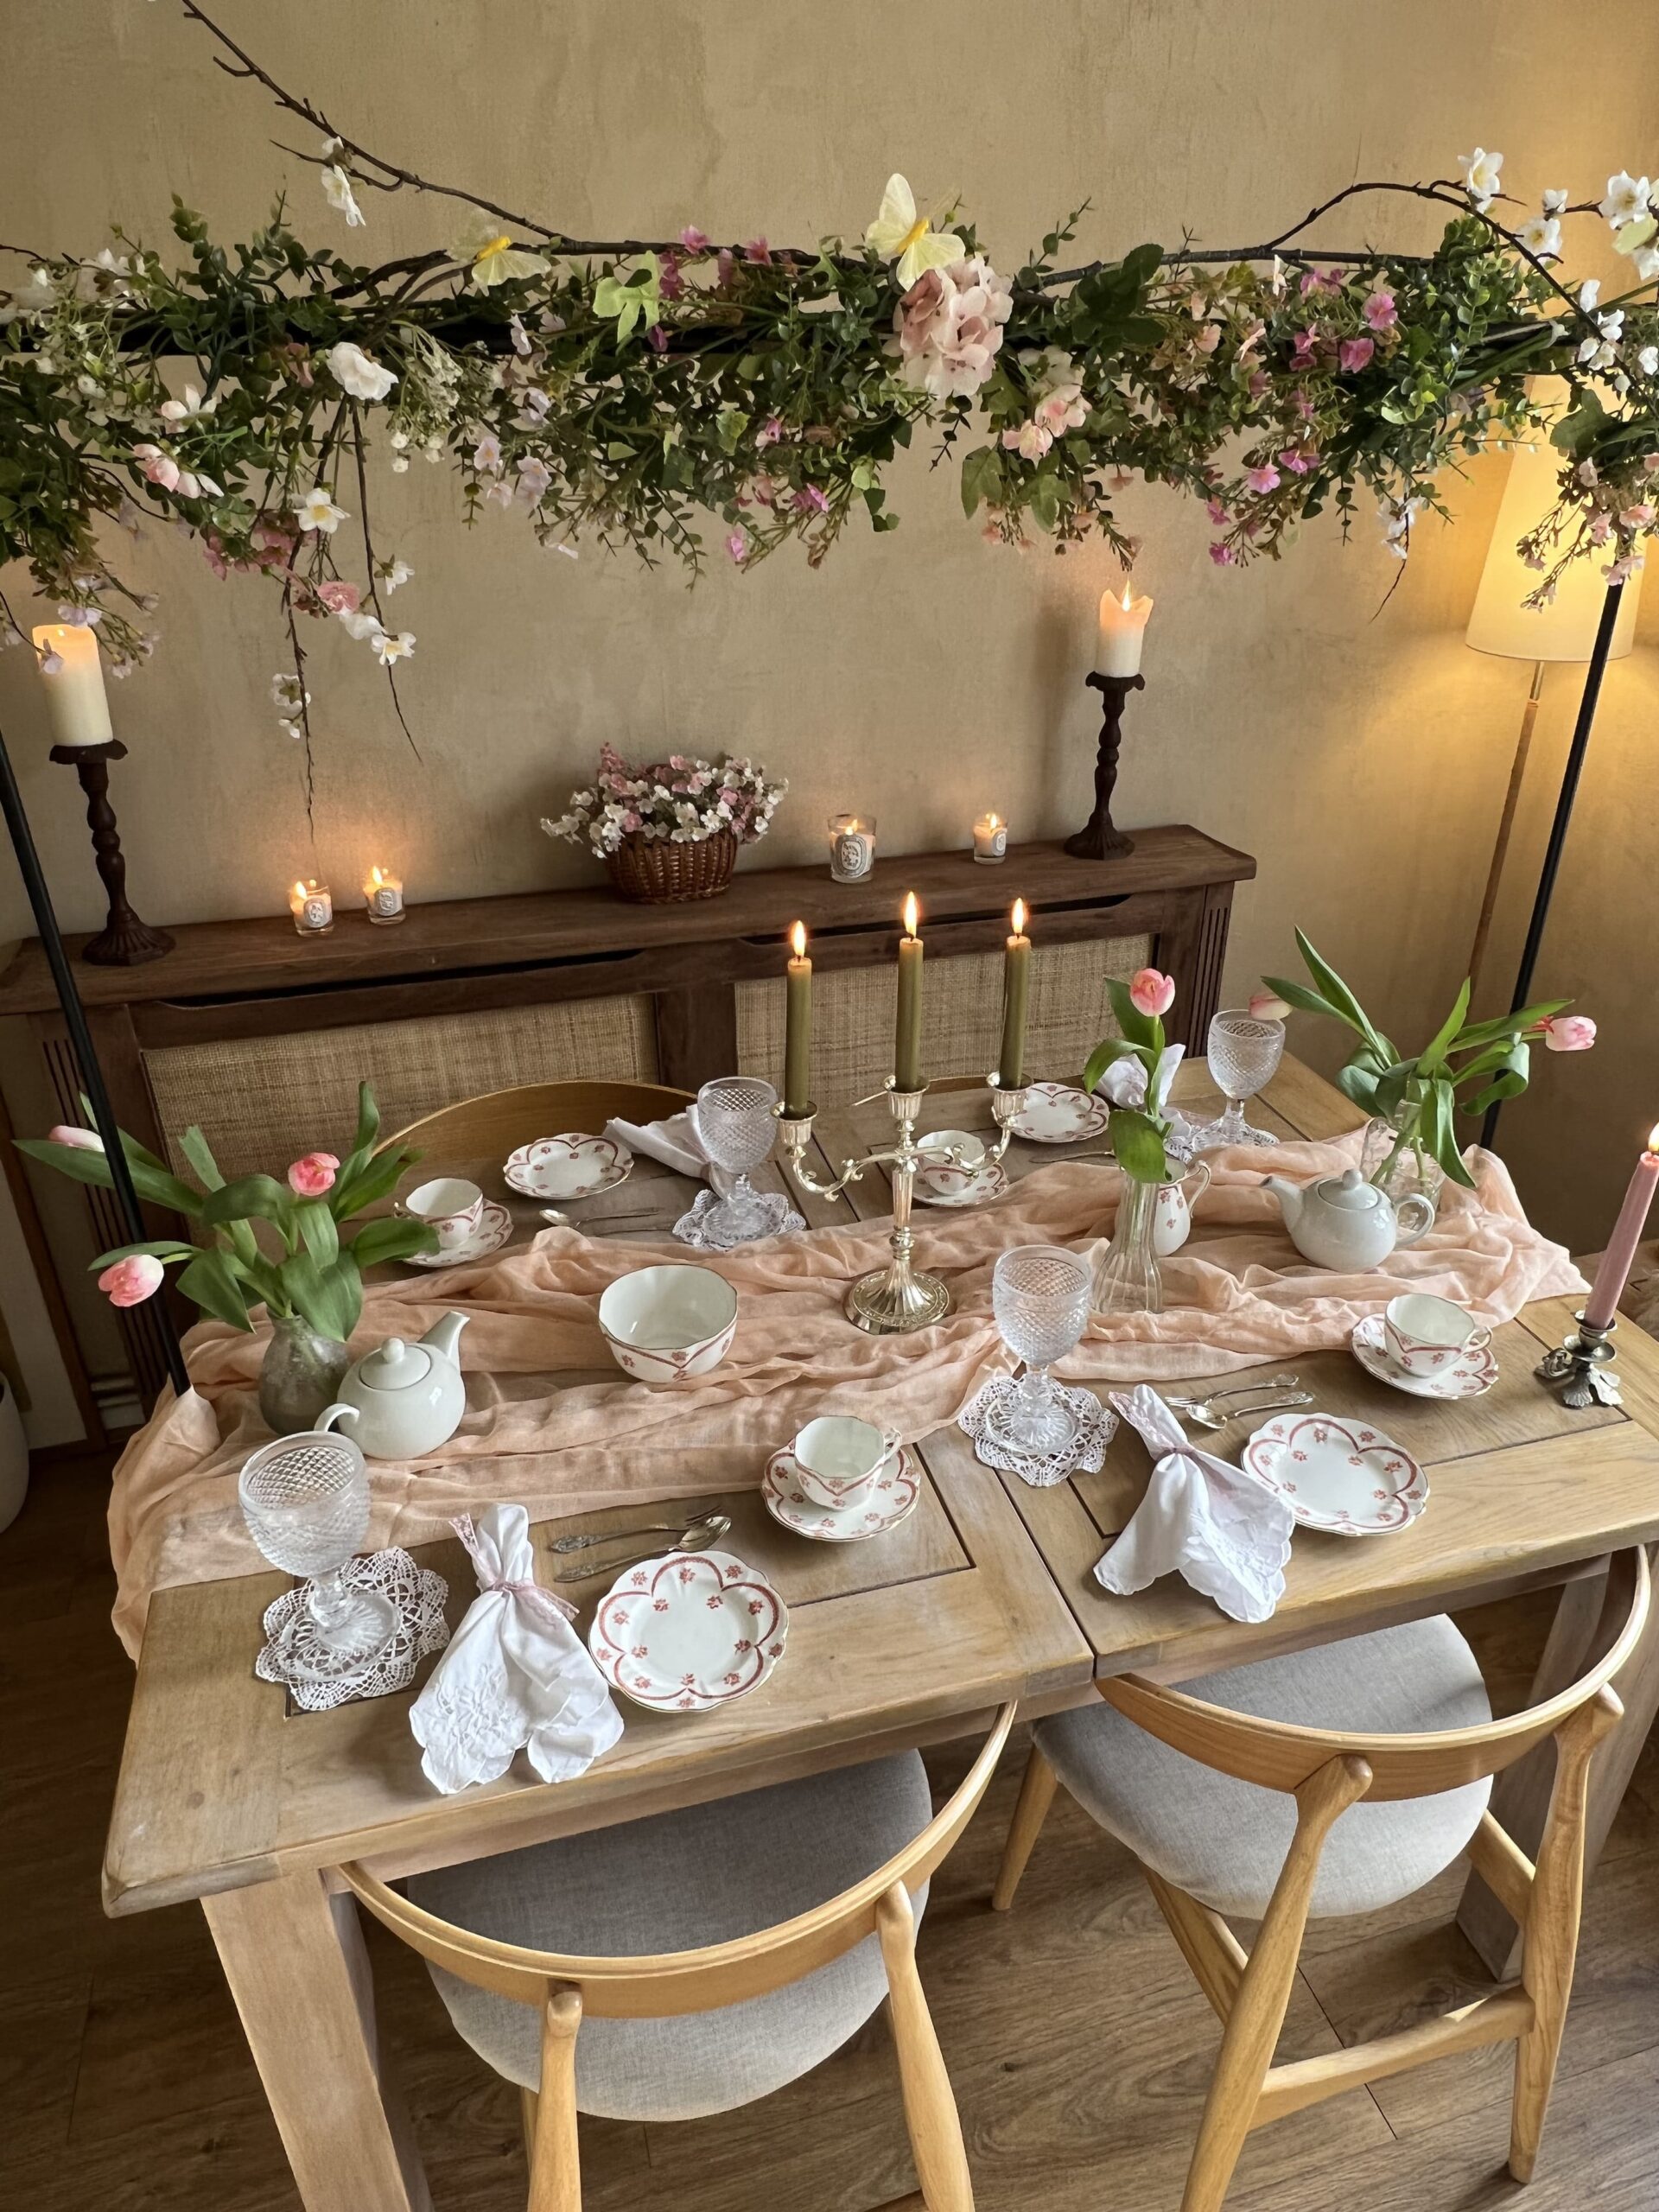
(1350, 1192)
(394, 1365)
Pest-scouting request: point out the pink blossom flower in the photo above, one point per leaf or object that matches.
(657, 336)
(131, 1282)
(77, 1139)
(1355, 353)
(737, 547)
(633, 819)
(1297, 463)
(1262, 479)
(1379, 310)
(764, 490)
(1303, 356)
(769, 433)
(339, 598)
(1029, 440)
(1639, 516)
(758, 252)
(693, 239)
(726, 268)
(1222, 554)
(1601, 529)
(158, 467)
(1321, 280)
(1260, 382)
(669, 282)
(213, 552)
(312, 1175)
(1568, 1032)
(1268, 1005)
(1217, 512)
(811, 500)
(1151, 992)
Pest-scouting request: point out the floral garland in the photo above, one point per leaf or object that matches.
(612, 392)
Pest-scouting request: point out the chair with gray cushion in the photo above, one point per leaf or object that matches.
(1329, 1782)
(707, 1957)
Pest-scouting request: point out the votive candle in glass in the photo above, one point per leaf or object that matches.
(852, 847)
(312, 907)
(990, 840)
(383, 894)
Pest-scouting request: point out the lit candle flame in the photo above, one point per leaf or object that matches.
(300, 890)
(1018, 918)
(993, 819)
(1126, 601)
(913, 913)
(1653, 1138)
(797, 940)
(376, 879)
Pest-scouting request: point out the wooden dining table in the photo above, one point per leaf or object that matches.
(229, 1797)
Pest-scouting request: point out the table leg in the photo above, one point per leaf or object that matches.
(297, 1968)
(1521, 1797)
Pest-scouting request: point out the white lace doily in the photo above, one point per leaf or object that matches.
(696, 1228)
(417, 1596)
(1085, 1455)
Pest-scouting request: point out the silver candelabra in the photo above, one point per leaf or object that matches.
(892, 1300)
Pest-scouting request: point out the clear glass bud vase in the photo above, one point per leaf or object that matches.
(1395, 1158)
(1128, 1278)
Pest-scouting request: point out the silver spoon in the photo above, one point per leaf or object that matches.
(717, 1524)
(698, 1538)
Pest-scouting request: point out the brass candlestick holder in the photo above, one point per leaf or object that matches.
(1581, 1369)
(890, 1301)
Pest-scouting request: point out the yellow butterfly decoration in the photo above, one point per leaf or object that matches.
(898, 232)
(494, 258)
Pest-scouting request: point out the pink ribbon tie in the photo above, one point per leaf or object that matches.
(543, 1603)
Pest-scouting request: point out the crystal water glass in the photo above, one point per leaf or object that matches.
(1244, 1053)
(306, 1502)
(736, 1121)
(1039, 1296)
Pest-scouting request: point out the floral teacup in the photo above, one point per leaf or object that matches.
(838, 1457)
(1172, 1218)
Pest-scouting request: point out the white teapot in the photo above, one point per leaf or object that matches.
(401, 1400)
(1344, 1222)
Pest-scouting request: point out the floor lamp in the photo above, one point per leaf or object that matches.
(1589, 623)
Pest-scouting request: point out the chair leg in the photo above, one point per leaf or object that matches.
(931, 2117)
(527, 2101)
(1031, 1810)
(1258, 2011)
(1550, 1938)
(555, 2161)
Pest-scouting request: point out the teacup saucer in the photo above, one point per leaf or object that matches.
(939, 1185)
(1059, 1113)
(1469, 1375)
(890, 1499)
(495, 1228)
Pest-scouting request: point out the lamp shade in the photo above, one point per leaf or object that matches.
(1501, 622)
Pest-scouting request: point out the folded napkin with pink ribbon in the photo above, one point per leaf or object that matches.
(677, 1142)
(1210, 1523)
(515, 1674)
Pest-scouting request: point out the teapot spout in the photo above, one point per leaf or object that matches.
(444, 1335)
(1289, 1195)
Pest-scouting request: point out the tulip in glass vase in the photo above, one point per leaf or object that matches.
(1135, 1071)
(308, 1278)
(1411, 1142)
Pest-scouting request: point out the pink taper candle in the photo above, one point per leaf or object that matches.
(1602, 1305)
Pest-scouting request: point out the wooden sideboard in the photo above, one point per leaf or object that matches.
(227, 980)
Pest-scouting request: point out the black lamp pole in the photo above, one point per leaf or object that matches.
(74, 1016)
(1557, 829)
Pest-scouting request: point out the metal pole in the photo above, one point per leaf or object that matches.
(1557, 829)
(74, 1016)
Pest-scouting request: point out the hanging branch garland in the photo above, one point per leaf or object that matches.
(615, 391)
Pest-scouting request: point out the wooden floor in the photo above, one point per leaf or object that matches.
(1079, 2048)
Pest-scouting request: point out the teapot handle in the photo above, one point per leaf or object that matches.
(338, 1411)
(1423, 1206)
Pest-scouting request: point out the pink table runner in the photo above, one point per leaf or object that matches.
(1238, 1293)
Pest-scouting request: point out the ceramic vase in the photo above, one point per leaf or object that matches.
(301, 1373)
(1128, 1278)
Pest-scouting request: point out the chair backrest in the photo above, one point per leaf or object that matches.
(499, 1121)
(689, 1982)
(1280, 1755)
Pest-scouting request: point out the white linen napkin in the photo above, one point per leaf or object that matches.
(515, 1673)
(676, 1141)
(1201, 1518)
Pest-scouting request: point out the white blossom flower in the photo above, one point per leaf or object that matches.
(1645, 262)
(534, 477)
(1395, 516)
(519, 334)
(1542, 235)
(392, 649)
(397, 573)
(356, 372)
(185, 410)
(359, 622)
(1589, 293)
(1555, 203)
(316, 510)
(1648, 361)
(337, 191)
(287, 695)
(487, 454)
(331, 147)
(1627, 199)
(1480, 176)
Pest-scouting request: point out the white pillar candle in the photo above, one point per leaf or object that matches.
(312, 907)
(1122, 627)
(383, 894)
(990, 839)
(73, 676)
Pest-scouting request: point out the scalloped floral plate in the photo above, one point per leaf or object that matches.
(573, 1165)
(1059, 1113)
(688, 1631)
(1341, 1475)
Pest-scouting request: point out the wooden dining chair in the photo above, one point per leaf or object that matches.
(635, 2027)
(1235, 1794)
(497, 1123)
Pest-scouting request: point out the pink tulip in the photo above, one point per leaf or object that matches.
(1151, 992)
(314, 1175)
(129, 1282)
(77, 1139)
(1569, 1033)
(1268, 1005)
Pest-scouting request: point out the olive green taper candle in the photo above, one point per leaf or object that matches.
(1016, 994)
(798, 1029)
(907, 1033)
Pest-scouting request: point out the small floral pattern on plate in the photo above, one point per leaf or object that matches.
(939, 1185)
(1059, 1113)
(688, 1632)
(573, 1166)
(890, 1499)
(1340, 1475)
(495, 1228)
(1469, 1375)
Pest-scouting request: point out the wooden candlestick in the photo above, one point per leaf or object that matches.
(1100, 839)
(124, 941)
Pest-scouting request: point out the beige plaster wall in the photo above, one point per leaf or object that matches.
(1356, 746)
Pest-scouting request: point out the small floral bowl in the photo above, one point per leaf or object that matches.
(665, 1323)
